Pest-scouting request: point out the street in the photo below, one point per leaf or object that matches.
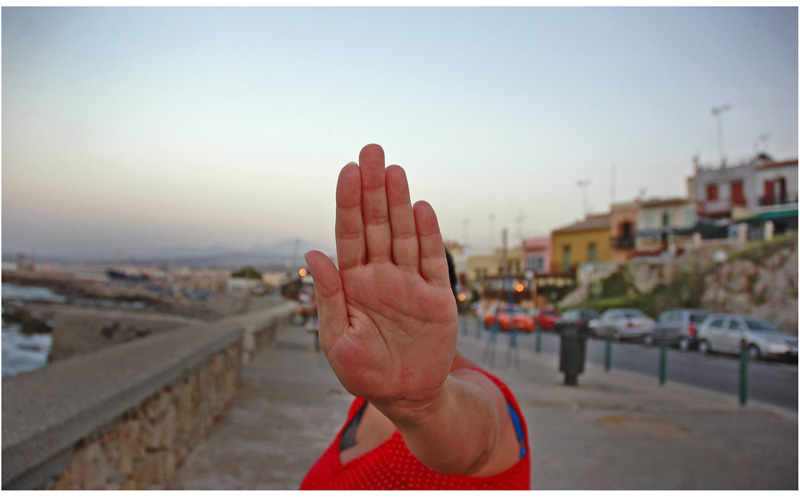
(771, 382)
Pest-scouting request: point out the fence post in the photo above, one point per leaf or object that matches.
(743, 374)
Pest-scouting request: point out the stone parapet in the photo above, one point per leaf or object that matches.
(126, 416)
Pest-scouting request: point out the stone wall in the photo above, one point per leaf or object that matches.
(125, 417)
(766, 289)
(142, 449)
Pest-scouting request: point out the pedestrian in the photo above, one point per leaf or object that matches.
(424, 416)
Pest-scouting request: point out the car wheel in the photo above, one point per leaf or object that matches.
(753, 352)
(683, 344)
(703, 347)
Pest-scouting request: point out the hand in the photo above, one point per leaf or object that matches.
(388, 319)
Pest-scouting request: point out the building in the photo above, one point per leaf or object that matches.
(585, 241)
(483, 266)
(776, 212)
(760, 194)
(624, 216)
(538, 253)
(665, 224)
(719, 190)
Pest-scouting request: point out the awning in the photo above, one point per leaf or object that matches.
(773, 215)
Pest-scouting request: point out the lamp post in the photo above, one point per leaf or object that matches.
(719, 258)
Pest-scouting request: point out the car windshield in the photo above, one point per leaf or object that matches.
(633, 313)
(697, 318)
(760, 326)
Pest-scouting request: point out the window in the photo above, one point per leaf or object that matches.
(665, 219)
(737, 193)
(592, 252)
(567, 259)
(717, 323)
(712, 192)
(535, 263)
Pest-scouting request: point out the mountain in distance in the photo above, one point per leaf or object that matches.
(285, 253)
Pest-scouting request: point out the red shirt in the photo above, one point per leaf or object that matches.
(391, 466)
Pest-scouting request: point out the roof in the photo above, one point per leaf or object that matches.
(771, 165)
(658, 202)
(596, 222)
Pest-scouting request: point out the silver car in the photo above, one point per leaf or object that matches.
(728, 333)
(622, 324)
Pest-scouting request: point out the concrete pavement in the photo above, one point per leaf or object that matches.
(615, 430)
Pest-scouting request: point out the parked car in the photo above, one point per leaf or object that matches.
(523, 320)
(544, 319)
(622, 324)
(576, 317)
(678, 327)
(729, 332)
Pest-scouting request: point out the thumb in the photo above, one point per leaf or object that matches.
(333, 318)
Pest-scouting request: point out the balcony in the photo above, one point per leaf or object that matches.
(768, 200)
(623, 242)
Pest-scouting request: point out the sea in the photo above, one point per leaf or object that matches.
(23, 352)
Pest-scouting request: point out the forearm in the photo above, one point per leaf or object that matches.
(455, 433)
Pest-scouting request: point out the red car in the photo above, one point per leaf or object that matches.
(523, 321)
(545, 320)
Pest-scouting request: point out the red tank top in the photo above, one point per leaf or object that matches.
(391, 466)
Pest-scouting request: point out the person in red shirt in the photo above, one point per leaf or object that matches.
(424, 417)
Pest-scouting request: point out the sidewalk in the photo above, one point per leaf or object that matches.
(616, 430)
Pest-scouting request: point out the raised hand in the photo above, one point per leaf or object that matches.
(388, 319)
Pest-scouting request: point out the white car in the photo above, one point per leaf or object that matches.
(622, 324)
(762, 339)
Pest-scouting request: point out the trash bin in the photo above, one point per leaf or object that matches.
(573, 353)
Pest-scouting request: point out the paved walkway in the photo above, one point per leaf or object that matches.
(616, 430)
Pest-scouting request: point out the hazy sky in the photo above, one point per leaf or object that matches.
(130, 130)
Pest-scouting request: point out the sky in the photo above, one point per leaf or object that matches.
(134, 131)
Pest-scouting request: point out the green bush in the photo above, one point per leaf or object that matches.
(618, 284)
(248, 272)
(758, 251)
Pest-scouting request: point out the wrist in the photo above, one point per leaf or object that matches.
(411, 412)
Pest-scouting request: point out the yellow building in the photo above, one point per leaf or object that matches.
(480, 267)
(585, 241)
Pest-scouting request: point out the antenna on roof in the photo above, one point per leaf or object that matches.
(717, 112)
(584, 183)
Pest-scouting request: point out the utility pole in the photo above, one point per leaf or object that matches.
(491, 231)
(584, 183)
(613, 179)
(717, 112)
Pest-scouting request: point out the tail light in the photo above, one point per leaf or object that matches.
(580, 321)
(692, 330)
(630, 324)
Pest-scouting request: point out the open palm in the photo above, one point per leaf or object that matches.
(388, 319)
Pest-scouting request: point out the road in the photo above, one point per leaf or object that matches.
(770, 382)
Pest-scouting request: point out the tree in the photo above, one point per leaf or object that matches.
(248, 272)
